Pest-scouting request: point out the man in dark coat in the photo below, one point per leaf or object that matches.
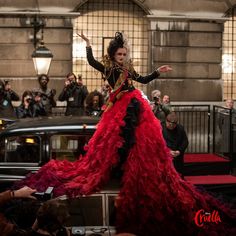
(74, 93)
(176, 140)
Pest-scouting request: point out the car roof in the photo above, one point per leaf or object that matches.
(51, 123)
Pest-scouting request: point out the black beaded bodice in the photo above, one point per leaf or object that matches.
(114, 72)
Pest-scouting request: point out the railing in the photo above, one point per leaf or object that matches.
(194, 118)
(224, 132)
(59, 111)
(196, 122)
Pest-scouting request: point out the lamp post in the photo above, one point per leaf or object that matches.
(42, 56)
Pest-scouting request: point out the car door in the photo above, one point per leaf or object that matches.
(20, 154)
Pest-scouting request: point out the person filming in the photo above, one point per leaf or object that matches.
(31, 106)
(74, 93)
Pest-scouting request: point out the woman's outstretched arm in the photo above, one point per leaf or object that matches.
(85, 38)
(91, 60)
(153, 75)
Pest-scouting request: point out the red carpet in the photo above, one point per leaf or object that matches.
(205, 164)
(203, 157)
(211, 179)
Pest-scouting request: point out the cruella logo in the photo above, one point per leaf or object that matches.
(201, 218)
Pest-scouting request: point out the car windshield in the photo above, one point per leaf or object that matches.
(24, 148)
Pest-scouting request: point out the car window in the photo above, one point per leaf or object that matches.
(24, 149)
(67, 146)
(2, 150)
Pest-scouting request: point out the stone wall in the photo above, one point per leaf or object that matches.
(193, 49)
(16, 47)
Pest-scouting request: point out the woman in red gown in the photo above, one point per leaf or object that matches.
(153, 200)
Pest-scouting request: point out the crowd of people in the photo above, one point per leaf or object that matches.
(22, 214)
(79, 101)
(40, 101)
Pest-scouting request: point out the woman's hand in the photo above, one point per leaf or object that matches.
(81, 35)
(24, 192)
(164, 69)
(26, 102)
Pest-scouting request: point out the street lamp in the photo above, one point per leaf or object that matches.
(42, 56)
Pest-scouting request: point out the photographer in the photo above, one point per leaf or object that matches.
(46, 218)
(7, 95)
(158, 108)
(30, 106)
(46, 94)
(74, 93)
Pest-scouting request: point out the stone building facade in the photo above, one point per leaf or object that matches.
(191, 45)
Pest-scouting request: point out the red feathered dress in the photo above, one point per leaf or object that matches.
(153, 200)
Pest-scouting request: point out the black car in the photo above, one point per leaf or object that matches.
(27, 144)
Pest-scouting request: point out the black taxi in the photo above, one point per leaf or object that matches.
(27, 144)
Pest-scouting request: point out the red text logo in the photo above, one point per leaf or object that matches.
(203, 217)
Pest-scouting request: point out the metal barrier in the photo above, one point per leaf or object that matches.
(224, 132)
(194, 118)
(196, 122)
(59, 111)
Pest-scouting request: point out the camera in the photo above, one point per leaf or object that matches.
(73, 84)
(6, 81)
(75, 230)
(30, 100)
(157, 100)
(52, 93)
(44, 196)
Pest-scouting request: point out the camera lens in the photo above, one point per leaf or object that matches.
(29, 99)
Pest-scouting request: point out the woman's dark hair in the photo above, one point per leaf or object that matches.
(21, 212)
(26, 93)
(43, 75)
(115, 44)
(2, 87)
(89, 99)
(52, 215)
(71, 74)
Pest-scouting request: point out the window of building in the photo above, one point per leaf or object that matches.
(99, 20)
(229, 57)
